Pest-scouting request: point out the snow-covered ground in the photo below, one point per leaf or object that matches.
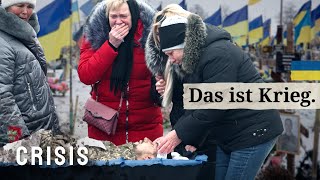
(307, 117)
(63, 106)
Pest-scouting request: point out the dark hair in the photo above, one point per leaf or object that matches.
(139, 153)
(288, 119)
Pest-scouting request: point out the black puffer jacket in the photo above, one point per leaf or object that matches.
(211, 57)
(26, 101)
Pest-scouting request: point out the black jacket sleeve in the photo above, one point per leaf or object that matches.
(219, 68)
(156, 97)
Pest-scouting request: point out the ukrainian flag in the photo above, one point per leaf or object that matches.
(252, 2)
(55, 27)
(183, 4)
(315, 22)
(285, 34)
(87, 7)
(159, 8)
(305, 70)
(266, 32)
(273, 41)
(237, 25)
(215, 19)
(255, 30)
(75, 17)
(302, 22)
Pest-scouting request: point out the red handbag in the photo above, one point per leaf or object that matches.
(101, 116)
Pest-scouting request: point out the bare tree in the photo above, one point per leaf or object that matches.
(289, 11)
(198, 9)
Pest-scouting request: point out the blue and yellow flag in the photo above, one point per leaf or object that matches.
(305, 70)
(215, 19)
(75, 17)
(183, 4)
(256, 30)
(55, 27)
(266, 33)
(75, 12)
(284, 41)
(315, 22)
(87, 7)
(252, 2)
(237, 25)
(273, 41)
(302, 23)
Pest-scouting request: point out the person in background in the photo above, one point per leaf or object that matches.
(200, 53)
(288, 141)
(112, 60)
(26, 102)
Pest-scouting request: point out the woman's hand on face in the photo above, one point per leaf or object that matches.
(117, 34)
(160, 85)
(166, 144)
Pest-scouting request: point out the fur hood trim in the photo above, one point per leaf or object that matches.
(97, 32)
(18, 28)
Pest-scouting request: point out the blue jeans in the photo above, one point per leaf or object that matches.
(242, 164)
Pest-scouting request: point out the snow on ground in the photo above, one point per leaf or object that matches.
(63, 106)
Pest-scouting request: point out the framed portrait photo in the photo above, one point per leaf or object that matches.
(289, 140)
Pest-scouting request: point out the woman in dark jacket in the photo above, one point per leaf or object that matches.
(200, 53)
(112, 54)
(26, 103)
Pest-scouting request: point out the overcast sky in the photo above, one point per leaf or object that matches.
(268, 8)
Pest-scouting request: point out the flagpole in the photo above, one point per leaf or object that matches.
(281, 9)
(71, 120)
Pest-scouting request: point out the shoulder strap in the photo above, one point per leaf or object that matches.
(94, 88)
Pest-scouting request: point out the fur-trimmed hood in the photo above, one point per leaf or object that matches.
(198, 37)
(18, 28)
(96, 29)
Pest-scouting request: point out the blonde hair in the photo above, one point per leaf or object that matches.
(168, 76)
(169, 10)
(114, 4)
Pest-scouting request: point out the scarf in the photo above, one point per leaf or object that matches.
(122, 66)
